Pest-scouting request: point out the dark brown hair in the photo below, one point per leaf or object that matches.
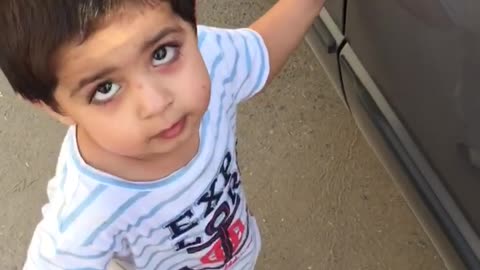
(32, 31)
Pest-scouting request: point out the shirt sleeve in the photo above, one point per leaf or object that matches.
(50, 251)
(53, 250)
(247, 63)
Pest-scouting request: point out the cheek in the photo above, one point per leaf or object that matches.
(199, 95)
(196, 85)
(205, 94)
(113, 135)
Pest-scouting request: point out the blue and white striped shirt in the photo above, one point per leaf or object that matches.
(197, 218)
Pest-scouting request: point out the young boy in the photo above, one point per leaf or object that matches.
(147, 175)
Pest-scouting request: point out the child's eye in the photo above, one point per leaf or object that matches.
(164, 55)
(105, 92)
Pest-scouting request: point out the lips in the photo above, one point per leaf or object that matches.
(173, 131)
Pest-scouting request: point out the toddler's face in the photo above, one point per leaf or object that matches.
(138, 86)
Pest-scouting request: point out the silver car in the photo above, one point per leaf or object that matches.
(409, 72)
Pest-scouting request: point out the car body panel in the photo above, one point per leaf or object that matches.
(408, 168)
(406, 69)
(336, 10)
(426, 70)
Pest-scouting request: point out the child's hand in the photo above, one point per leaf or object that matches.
(283, 28)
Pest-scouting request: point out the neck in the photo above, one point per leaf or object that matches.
(145, 169)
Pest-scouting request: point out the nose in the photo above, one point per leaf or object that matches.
(153, 99)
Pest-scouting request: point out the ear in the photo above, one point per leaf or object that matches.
(55, 114)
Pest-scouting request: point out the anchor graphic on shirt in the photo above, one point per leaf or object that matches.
(226, 236)
(226, 231)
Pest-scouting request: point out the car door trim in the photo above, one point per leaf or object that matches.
(430, 176)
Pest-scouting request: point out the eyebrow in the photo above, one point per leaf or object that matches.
(108, 70)
(160, 35)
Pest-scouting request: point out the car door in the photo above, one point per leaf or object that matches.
(409, 73)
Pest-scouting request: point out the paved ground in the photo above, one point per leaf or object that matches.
(322, 198)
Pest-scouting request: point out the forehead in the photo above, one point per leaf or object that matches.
(126, 29)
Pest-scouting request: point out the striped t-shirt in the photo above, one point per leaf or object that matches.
(196, 218)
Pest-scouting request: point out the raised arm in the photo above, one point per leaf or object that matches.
(283, 28)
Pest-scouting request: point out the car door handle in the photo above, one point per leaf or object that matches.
(470, 155)
(474, 157)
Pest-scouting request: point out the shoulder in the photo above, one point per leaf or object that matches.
(237, 60)
(79, 207)
(226, 50)
(214, 39)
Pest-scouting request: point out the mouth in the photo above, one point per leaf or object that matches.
(174, 131)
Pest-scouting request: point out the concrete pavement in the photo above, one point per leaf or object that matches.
(322, 199)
